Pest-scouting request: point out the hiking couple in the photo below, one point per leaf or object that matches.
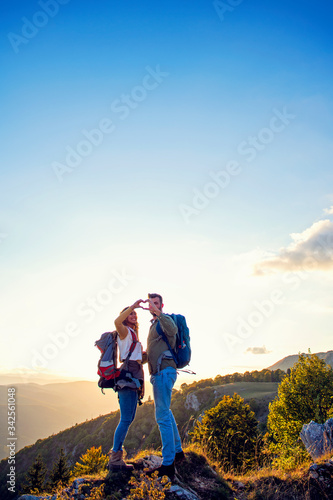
(163, 375)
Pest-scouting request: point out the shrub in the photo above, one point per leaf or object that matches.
(229, 433)
(92, 462)
(305, 394)
(148, 487)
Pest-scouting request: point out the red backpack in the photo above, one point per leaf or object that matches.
(108, 370)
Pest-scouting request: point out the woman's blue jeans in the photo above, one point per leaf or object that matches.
(128, 400)
(163, 383)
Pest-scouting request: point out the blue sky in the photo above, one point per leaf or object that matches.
(117, 118)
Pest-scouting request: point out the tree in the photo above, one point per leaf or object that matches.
(60, 471)
(93, 461)
(35, 477)
(229, 433)
(237, 377)
(247, 377)
(278, 375)
(305, 394)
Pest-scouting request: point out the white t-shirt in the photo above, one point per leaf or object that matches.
(125, 345)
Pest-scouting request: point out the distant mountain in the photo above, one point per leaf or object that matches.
(42, 410)
(289, 361)
(25, 376)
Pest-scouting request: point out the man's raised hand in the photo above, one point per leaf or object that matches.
(152, 307)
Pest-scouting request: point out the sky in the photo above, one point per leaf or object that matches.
(182, 148)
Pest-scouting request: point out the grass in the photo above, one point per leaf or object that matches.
(144, 453)
(278, 484)
(266, 483)
(248, 390)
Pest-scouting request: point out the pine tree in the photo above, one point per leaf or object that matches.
(35, 477)
(60, 472)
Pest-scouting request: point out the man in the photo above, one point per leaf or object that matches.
(162, 369)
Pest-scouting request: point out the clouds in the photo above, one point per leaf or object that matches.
(310, 250)
(257, 350)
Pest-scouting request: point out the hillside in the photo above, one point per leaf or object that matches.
(18, 376)
(187, 404)
(43, 410)
(289, 361)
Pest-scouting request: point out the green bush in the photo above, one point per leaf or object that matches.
(305, 394)
(229, 433)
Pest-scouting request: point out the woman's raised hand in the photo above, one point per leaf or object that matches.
(138, 303)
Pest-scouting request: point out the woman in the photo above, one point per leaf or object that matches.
(126, 325)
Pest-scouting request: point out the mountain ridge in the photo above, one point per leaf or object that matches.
(289, 361)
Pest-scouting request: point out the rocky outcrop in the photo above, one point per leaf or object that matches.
(194, 480)
(71, 491)
(320, 477)
(192, 402)
(318, 438)
(182, 493)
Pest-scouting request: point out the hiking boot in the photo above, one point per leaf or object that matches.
(164, 470)
(116, 462)
(179, 457)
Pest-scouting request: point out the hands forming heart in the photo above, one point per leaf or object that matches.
(152, 307)
(138, 304)
(144, 302)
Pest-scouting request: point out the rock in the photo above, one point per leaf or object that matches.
(318, 438)
(33, 497)
(77, 482)
(314, 467)
(192, 402)
(322, 473)
(28, 497)
(71, 491)
(182, 493)
(152, 461)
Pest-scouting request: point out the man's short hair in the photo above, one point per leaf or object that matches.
(154, 296)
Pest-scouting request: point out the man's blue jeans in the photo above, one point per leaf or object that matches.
(163, 383)
(128, 400)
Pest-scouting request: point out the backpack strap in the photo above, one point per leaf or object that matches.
(170, 353)
(125, 374)
(131, 349)
(165, 355)
(134, 342)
